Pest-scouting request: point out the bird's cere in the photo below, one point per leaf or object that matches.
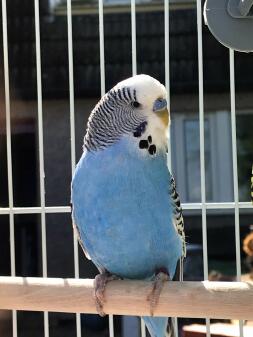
(160, 104)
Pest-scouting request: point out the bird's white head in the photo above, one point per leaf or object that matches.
(151, 96)
(135, 107)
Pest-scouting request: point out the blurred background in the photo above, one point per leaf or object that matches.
(184, 103)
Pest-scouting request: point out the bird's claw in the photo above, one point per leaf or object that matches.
(100, 282)
(153, 296)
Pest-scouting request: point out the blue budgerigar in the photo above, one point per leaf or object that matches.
(126, 210)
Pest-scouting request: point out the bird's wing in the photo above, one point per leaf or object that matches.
(80, 241)
(77, 233)
(177, 213)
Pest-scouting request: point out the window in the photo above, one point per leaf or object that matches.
(192, 160)
(218, 157)
(245, 153)
(86, 6)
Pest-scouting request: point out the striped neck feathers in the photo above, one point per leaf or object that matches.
(113, 117)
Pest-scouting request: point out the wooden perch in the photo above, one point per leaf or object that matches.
(228, 300)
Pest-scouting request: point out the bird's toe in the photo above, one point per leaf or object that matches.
(153, 296)
(100, 282)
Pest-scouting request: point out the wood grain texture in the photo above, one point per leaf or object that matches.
(228, 300)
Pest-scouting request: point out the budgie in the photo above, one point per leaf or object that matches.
(125, 207)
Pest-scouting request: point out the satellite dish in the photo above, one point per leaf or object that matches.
(231, 22)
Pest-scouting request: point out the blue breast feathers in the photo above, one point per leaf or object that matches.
(121, 205)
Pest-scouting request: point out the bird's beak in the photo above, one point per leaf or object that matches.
(160, 109)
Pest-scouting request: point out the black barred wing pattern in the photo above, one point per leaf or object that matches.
(177, 212)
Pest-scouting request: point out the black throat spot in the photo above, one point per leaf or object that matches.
(147, 144)
(140, 129)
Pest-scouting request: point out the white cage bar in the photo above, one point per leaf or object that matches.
(9, 153)
(235, 173)
(67, 209)
(202, 148)
(167, 85)
(41, 152)
(102, 81)
(202, 206)
(72, 140)
(101, 46)
(133, 34)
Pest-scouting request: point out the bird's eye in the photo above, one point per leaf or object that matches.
(136, 104)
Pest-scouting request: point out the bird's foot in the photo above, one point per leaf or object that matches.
(153, 297)
(100, 282)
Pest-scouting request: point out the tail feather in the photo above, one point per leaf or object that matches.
(157, 326)
(170, 328)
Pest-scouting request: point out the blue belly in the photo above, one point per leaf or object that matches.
(122, 209)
